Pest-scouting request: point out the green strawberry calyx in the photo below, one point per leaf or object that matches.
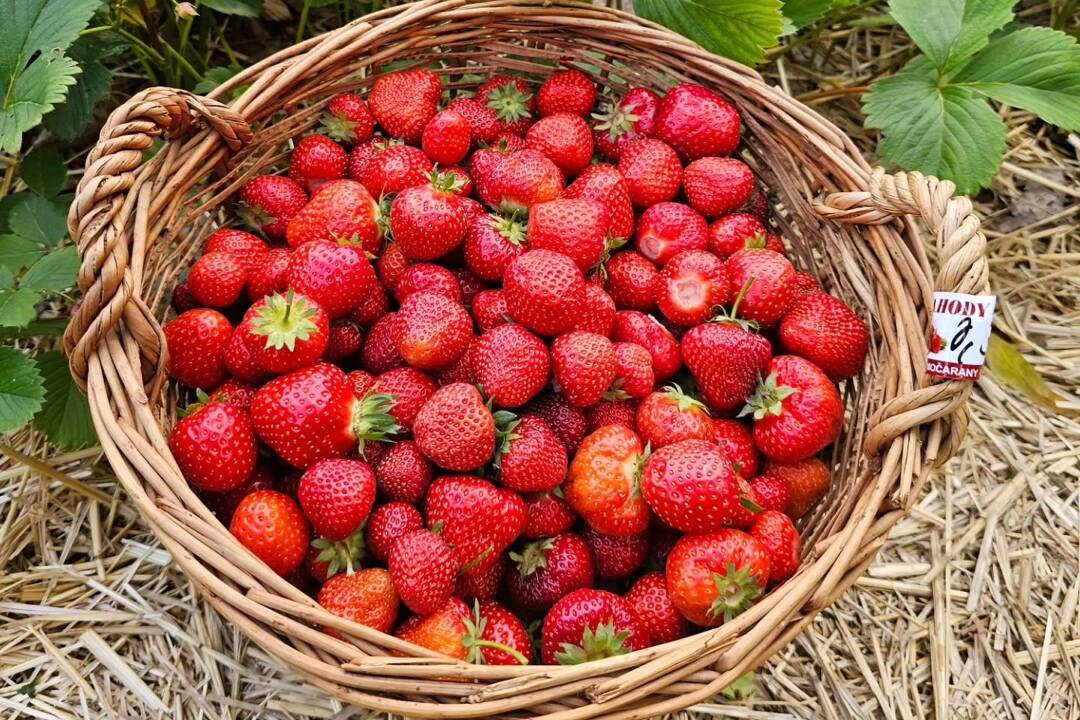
(512, 230)
(373, 420)
(617, 120)
(639, 470)
(509, 103)
(505, 424)
(603, 642)
(736, 591)
(731, 317)
(338, 127)
(474, 640)
(344, 555)
(285, 320)
(757, 242)
(685, 402)
(768, 399)
(533, 556)
(447, 181)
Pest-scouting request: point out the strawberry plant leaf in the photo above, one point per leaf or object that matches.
(21, 389)
(1011, 368)
(737, 29)
(17, 253)
(941, 130)
(38, 26)
(69, 120)
(43, 172)
(950, 31)
(32, 94)
(65, 414)
(41, 220)
(17, 307)
(55, 272)
(1034, 68)
(800, 13)
(244, 8)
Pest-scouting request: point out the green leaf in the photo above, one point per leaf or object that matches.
(34, 93)
(35, 218)
(21, 390)
(55, 272)
(44, 172)
(1035, 68)
(69, 120)
(65, 414)
(950, 31)
(216, 76)
(245, 8)
(17, 307)
(944, 131)
(1011, 368)
(38, 26)
(738, 29)
(805, 12)
(53, 327)
(17, 253)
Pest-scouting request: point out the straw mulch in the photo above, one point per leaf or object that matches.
(971, 611)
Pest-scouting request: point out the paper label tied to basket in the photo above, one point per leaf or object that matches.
(959, 335)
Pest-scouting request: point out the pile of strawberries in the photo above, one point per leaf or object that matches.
(509, 362)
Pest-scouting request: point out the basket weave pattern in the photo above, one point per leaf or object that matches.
(139, 222)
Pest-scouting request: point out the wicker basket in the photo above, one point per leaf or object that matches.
(140, 222)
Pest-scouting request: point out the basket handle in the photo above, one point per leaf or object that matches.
(963, 268)
(100, 217)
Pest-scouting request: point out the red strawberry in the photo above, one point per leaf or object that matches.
(431, 331)
(317, 159)
(392, 265)
(633, 372)
(567, 421)
(388, 524)
(650, 600)
(632, 118)
(522, 179)
(805, 284)
(455, 429)
(770, 493)
(690, 486)
(589, 625)
(667, 229)
(489, 309)
(286, 332)
(272, 527)
(767, 281)
(511, 365)
(697, 122)
(197, 340)
(482, 120)
(407, 389)
(737, 444)
(566, 91)
(604, 484)
(496, 637)
(446, 138)
(548, 569)
(470, 285)
(597, 311)
(692, 286)
(337, 496)
(826, 332)
(423, 568)
(544, 291)
(547, 515)
(807, 482)
(361, 381)
(224, 504)
(478, 519)
(217, 279)
(463, 185)
(182, 300)
(346, 339)
(670, 416)
(270, 202)
(348, 119)
(796, 409)
(366, 597)
(652, 171)
(611, 412)
(734, 232)
(393, 169)
(574, 228)
(427, 221)
(563, 138)
(403, 472)
(777, 534)
(716, 186)
(239, 360)
(269, 274)
(616, 557)
(584, 365)
(233, 392)
(727, 360)
(491, 244)
(604, 184)
(427, 277)
(244, 246)
(646, 331)
(512, 101)
(340, 210)
(214, 446)
(362, 154)
(482, 583)
(530, 457)
(632, 281)
(712, 577)
(335, 275)
(380, 352)
(403, 102)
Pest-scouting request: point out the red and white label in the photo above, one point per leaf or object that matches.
(959, 335)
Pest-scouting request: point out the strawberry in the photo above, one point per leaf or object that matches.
(727, 360)
(693, 284)
(646, 331)
(393, 169)
(767, 279)
(807, 482)
(489, 309)
(826, 332)
(392, 265)
(270, 202)
(737, 444)
(462, 371)
(496, 637)
(716, 186)
(224, 503)
(567, 421)
(337, 496)
(574, 228)
(616, 557)
(423, 568)
(366, 597)
(196, 341)
(362, 154)
(469, 284)
(584, 365)
(361, 381)
(478, 519)
(345, 340)
(512, 101)
(285, 332)
(491, 243)
(403, 102)
(348, 119)
(631, 118)
(546, 570)
(182, 300)
(244, 246)
(543, 291)
(463, 185)
(269, 274)
(771, 493)
(233, 392)
(387, 524)
(804, 284)
(632, 281)
(777, 534)
(427, 221)
(443, 631)
(403, 472)
(652, 171)
(380, 352)
(431, 331)
(690, 486)
(335, 275)
(669, 416)
(604, 483)
(238, 358)
(271, 525)
(697, 122)
(311, 414)
(482, 583)
(455, 429)
(511, 365)
(407, 390)
(547, 515)
(520, 180)
(604, 184)
(796, 409)
(611, 412)
(667, 229)
(712, 577)
(217, 279)
(317, 159)
(650, 600)
(530, 457)
(564, 139)
(339, 210)
(589, 625)
(734, 232)
(427, 277)
(446, 138)
(214, 446)
(596, 314)
(633, 372)
(482, 120)
(566, 91)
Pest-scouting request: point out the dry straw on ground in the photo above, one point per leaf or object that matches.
(971, 611)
